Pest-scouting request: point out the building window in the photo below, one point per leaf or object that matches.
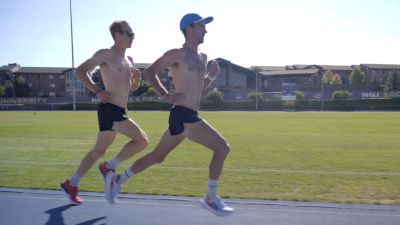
(52, 94)
(50, 77)
(52, 85)
(61, 77)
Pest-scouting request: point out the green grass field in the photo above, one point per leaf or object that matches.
(310, 156)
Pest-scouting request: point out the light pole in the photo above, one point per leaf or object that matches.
(72, 58)
(13, 85)
(322, 92)
(256, 91)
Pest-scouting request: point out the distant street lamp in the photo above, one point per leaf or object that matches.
(13, 85)
(322, 91)
(256, 91)
(72, 56)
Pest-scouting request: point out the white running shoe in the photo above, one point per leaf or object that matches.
(216, 206)
(109, 181)
(114, 190)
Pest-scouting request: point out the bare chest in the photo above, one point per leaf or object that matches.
(194, 63)
(119, 68)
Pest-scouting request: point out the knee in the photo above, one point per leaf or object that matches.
(224, 149)
(143, 142)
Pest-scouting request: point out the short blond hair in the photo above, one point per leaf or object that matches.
(116, 26)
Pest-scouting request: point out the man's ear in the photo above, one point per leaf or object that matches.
(117, 35)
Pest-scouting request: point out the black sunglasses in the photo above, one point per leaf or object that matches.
(127, 33)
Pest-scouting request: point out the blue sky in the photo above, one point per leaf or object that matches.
(252, 32)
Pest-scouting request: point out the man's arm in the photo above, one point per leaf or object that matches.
(150, 73)
(82, 72)
(212, 73)
(136, 76)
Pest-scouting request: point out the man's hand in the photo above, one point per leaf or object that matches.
(213, 69)
(136, 74)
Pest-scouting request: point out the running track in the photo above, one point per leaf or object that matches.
(42, 207)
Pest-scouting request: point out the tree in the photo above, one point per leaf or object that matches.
(299, 95)
(340, 95)
(255, 95)
(2, 91)
(395, 81)
(336, 79)
(143, 87)
(215, 96)
(8, 88)
(328, 77)
(357, 76)
(21, 88)
(150, 92)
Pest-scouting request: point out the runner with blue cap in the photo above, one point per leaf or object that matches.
(192, 18)
(191, 73)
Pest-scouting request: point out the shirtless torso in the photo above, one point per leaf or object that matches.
(118, 77)
(188, 74)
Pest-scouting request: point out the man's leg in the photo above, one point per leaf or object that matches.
(203, 133)
(104, 140)
(163, 148)
(138, 142)
(70, 187)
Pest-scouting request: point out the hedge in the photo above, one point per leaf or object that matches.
(313, 105)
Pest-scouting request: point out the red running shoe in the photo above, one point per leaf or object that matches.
(71, 192)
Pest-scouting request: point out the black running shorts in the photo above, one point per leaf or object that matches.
(178, 116)
(107, 113)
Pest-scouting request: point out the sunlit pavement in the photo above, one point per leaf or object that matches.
(26, 206)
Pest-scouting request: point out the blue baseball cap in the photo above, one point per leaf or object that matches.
(193, 18)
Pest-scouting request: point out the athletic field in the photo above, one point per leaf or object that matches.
(311, 156)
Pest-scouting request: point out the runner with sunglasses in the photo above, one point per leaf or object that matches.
(119, 76)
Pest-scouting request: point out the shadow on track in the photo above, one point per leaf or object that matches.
(56, 217)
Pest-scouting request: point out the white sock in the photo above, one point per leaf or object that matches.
(125, 175)
(113, 163)
(74, 181)
(212, 188)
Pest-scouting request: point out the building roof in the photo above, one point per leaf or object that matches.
(43, 70)
(334, 67)
(291, 72)
(381, 66)
(12, 67)
(221, 60)
(269, 68)
(142, 65)
(298, 67)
